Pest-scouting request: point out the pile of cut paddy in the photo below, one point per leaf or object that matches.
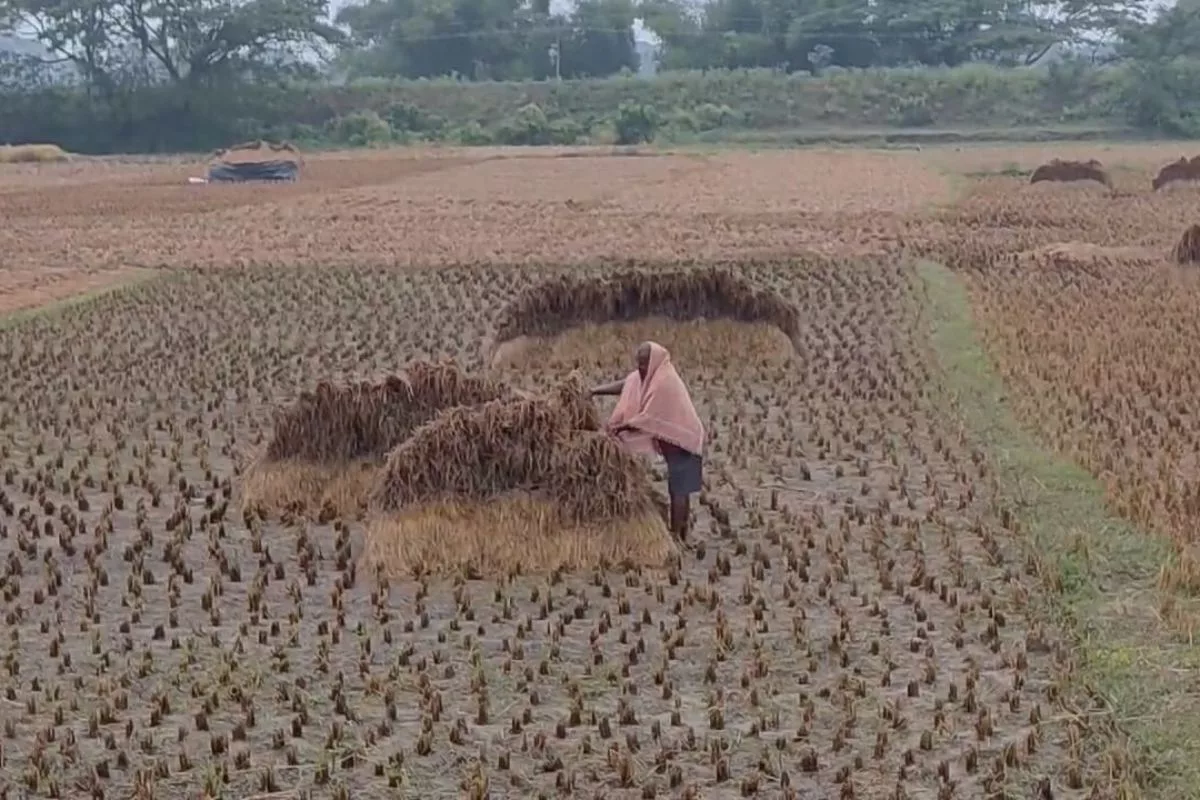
(713, 293)
(326, 449)
(526, 484)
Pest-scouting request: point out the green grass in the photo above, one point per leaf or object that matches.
(1104, 571)
(912, 138)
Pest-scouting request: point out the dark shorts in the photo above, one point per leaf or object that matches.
(684, 472)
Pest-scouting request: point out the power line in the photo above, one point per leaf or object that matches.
(829, 36)
(758, 21)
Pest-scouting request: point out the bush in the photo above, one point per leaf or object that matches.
(472, 134)
(911, 112)
(360, 129)
(700, 119)
(405, 116)
(710, 116)
(1156, 96)
(565, 131)
(530, 126)
(635, 123)
(1161, 95)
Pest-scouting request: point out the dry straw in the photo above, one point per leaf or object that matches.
(1187, 249)
(519, 534)
(1060, 170)
(257, 151)
(562, 303)
(1073, 259)
(32, 154)
(525, 484)
(1182, 170)
(716, 343)
(326, 449)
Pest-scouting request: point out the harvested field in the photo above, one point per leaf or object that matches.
(1096, 337)
(845, 560)
(439, 207)
(863, 612)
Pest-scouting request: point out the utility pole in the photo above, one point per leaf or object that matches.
(556, 57)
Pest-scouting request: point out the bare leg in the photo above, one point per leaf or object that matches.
(680, 511)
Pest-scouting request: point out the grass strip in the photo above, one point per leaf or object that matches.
(1108, 596)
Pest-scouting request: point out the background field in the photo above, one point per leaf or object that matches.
(902, 584)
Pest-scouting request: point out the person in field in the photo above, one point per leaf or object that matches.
(655, 415)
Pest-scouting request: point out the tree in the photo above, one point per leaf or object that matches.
(1164, 70)
(489, 39)
(473, 39)
(599, 39)
(1174, 33)
(859, 33)
(116, 43)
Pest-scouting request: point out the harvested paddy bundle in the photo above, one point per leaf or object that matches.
(525, 484)
(32, 154)
(606, 347)
(557, 305)
(1182, 170)
(1082, 258)
(1187, 249)
(326, 449)
(255, 150)
(1066, 171)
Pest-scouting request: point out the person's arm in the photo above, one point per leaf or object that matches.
(615, 387)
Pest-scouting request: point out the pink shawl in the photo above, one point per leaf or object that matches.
(657, 408)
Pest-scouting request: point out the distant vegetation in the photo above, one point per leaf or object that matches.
(471, 72)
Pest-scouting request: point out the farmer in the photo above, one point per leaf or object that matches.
(654, 414)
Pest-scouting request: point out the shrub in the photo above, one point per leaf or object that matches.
(1161, 95)
(911, 112)
(530, 126)
(406, 116)
(360, 129)
(471, 134)
(710, 116)
(635, 123)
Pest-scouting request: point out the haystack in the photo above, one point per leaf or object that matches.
(1187, 250)
(32, 154)
(519, 485)
(551, 308)
(326, 449)
(1060, 170)
(606, 347)
(1182, 170)
(255, 161)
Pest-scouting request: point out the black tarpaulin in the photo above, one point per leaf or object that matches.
(276, 170)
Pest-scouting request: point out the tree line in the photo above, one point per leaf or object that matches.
(138, 63)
